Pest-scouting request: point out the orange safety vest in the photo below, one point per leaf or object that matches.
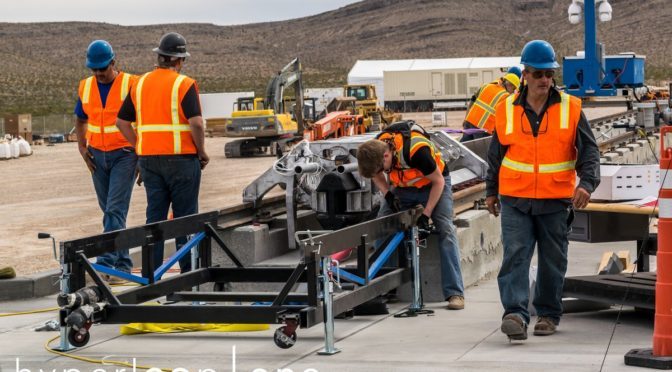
(102, 132)
(482, 112)
(541, 167)
(161, 125)
(402, 175)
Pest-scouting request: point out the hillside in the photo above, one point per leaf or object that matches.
(43, 62)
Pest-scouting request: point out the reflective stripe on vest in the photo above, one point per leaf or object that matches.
(174, 107)
(87, 90)
(488, 107)
(543, 168)
(124, 86)
(138, 112)
(106, 129)
(175, 127)
(509, 113)
(564, 112)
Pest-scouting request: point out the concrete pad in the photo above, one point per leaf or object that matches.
(467, 340)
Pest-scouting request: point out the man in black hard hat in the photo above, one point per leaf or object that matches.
(170, 137)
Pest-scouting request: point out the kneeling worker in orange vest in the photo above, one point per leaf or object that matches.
(170, 137)
(417, 175)
(542, 140)
(481, 111)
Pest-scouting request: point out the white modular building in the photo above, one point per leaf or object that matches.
(371, 72)
(415, 85)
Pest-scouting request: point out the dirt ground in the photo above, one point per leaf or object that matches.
(51, 191)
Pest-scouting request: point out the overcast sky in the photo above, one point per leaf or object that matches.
(145, 12)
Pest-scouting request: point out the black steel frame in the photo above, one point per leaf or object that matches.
(123, 307)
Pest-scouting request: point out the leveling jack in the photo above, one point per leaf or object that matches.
(414, 245)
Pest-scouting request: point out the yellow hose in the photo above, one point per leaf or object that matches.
(29, 312)
(96, 361)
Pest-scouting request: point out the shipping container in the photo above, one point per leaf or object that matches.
(15, 124)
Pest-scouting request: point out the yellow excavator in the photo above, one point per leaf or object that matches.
(268, 125)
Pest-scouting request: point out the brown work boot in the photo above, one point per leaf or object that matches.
(514, 327)
(455, 303)
(545, 326)
(113, 280)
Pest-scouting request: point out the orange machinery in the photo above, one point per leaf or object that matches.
(334, 125)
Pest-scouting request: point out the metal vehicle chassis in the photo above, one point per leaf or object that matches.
(313, 309)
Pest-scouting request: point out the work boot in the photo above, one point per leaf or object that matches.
(514, 327)
(113, 280)
(545, 326)
(455, 303)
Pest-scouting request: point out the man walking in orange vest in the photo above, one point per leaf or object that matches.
(481, 112)
(417, 175)
(170, 137)
(542, 140)
(108, 155)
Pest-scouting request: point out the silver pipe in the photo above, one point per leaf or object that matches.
(347, 168)
(307, 168)
(415, 259)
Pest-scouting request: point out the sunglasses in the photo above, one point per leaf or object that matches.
(103, 69)
(538, 74)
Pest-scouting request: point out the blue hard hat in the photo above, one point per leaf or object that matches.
(539, 54)
(99, 54)
(515, 70)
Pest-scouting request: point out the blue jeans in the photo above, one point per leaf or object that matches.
(113, 181)
(520, 233)
(171, 180)
(442, 217)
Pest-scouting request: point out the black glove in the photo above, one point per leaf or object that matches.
(423, 223)
(393, 201)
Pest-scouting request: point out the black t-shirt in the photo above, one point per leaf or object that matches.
(423, 161)
(191, 106)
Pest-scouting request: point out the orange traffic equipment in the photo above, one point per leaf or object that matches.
(660, 357)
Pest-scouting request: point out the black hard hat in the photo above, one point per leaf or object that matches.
(172, 44)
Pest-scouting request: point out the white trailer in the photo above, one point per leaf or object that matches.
(416, 84)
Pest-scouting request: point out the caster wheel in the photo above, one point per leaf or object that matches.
(77, 338)
(282, 340)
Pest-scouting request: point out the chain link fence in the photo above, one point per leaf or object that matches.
(49, 124)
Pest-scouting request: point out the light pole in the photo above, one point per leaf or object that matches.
(593, 61)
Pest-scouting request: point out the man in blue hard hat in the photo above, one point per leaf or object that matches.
(542, 141)
(108, 155)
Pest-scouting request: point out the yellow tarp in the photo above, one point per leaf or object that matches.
(140, 328)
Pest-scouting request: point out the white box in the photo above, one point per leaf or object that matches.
(439, 118)
(627, 182)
